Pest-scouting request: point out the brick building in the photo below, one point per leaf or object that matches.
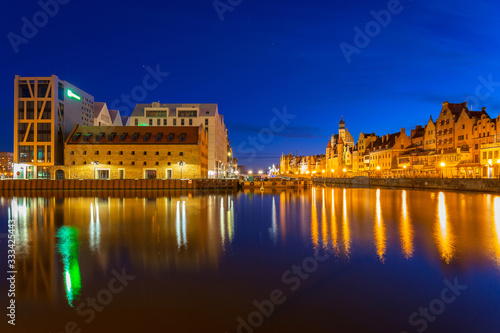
(135, 152)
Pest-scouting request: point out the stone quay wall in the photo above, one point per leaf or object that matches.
(450, 184)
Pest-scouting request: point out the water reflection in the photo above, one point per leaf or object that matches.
(198, 231)
(68, 249)
(324, 223)
(274, 218)
(346, 232)
(380, 236)
(406, 230)
(496, 230)
(180, 224)
(314, 221)
(95, 229)
(442, 231)
(333, 224)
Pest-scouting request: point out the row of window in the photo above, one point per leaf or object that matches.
(121, 153)
(490, 155)
(165, 122)
(445, 141)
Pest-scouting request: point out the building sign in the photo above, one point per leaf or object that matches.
(73, 95)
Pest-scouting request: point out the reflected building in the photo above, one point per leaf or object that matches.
(35, 247)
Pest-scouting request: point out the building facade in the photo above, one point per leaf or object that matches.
(135, 152)
(6, 160)
(181, 115)
(45, 111)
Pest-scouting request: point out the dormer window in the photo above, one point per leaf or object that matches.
(123, 136)
(87, 137)
(76, 136)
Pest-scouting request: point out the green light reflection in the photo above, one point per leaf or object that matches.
(68, 249)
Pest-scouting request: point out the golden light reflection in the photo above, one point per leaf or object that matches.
(442, 231)
(314, 221)
(222, 223)
(496, 230)
(282, 219)
(380, 236)
(333, 226)
(406, 230)
(324, 225)
(346, 232)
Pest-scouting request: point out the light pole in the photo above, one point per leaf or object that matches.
(404, 171)
(94, 164)
(181, 163)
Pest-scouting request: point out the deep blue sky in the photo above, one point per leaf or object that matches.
(266, 54)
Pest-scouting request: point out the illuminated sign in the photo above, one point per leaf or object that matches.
(73, 95)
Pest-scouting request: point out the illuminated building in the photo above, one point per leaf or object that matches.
(135, 152)
(105, 117)
(45, 111)
(360, 156)
(6, 164)
(339, 151)
(304, 165)
(208, 115)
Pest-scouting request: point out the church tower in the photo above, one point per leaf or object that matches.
(342, 129)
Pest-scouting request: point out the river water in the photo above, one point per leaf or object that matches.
(315, 260)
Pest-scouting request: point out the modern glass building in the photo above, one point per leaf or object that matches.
(46, 109)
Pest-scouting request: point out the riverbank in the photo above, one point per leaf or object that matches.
(450, 184)
(121, 184)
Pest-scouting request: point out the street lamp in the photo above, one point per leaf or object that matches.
(404, 171)
(260, 172)
(442, 169)
(181, 163)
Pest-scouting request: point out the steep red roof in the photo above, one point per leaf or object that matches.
(120, 135)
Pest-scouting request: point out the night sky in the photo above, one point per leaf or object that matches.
(265, 55)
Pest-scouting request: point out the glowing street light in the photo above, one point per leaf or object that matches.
(250, 172)
(442, 169)
(260, 172)
(378, 167)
